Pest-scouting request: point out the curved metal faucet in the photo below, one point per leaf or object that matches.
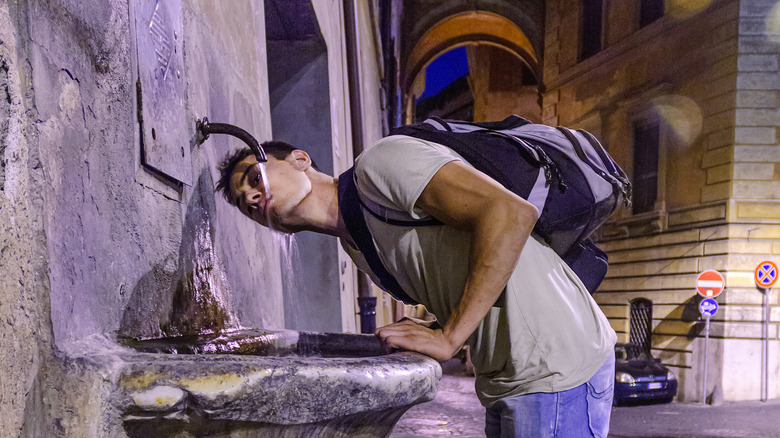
(205, 128)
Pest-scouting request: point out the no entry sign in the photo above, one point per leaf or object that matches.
(710, 284)
(766, 274)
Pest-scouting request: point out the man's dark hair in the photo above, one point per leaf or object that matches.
(277, 149)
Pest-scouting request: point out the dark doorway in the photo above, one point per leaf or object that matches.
(298, 85)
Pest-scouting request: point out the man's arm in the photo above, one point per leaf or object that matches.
(500, 223)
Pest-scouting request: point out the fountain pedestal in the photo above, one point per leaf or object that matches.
(295, 392)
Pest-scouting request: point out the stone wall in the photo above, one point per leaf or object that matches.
(26, 335)
(94, 242)
(709, 75)
(754, 185)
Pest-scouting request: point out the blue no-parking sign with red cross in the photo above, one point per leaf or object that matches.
(766, 274)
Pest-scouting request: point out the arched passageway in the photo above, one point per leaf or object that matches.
(503, 69)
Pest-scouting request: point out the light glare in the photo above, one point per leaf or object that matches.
(683, 115)
(773, 24)
(682, 9)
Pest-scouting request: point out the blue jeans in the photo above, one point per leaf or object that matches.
(583, 411)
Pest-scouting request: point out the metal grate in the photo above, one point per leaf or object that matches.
(640, 323)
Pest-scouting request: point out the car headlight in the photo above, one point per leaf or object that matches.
(670, 375)
(624, 378)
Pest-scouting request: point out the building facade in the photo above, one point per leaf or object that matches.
(686, 99)
(684, 95)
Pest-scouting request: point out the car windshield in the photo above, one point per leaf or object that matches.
(630, 352)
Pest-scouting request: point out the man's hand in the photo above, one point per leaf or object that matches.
(409, 335)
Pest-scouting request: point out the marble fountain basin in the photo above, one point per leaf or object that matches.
(258, 383)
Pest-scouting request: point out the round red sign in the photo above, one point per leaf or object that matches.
(710, 284)
(766, 274)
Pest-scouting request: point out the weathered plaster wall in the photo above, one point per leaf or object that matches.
(25, 329)
(92, 243)
(127, 250)
(227, 80)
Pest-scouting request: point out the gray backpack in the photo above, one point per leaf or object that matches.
(567, 174)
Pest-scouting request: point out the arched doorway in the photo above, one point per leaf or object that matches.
(504, 71)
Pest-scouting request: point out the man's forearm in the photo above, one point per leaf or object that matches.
(497, 241)
(499, 223)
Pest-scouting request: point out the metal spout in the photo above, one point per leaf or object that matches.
(205, 129)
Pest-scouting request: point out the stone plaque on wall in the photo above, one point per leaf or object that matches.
(165, 137)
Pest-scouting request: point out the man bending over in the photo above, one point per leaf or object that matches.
(543, 353)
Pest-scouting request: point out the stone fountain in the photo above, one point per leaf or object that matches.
(263, 383)
(257, 383)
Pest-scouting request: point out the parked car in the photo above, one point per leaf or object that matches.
(639, 376)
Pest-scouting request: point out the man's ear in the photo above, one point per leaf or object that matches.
(300, 159)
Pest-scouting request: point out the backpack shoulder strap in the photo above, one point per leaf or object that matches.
(511, 122)
(351, 212)
(395, 217)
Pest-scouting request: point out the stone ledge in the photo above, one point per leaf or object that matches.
(278, 390)
(265, 392)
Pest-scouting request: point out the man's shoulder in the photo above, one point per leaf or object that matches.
(395, 171)
(391, 145)
(404, 151)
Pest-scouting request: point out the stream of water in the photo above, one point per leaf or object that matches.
(291, 283)
(266, 191)
(289, 257)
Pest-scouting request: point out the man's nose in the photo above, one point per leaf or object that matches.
(254, 196)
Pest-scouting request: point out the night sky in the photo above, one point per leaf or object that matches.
(443, 70)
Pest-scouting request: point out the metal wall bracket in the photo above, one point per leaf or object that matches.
(165, 137)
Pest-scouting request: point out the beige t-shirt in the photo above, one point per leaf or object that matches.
(549, 336)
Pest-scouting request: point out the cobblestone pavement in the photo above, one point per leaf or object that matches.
(454, 412)
(691, 420)
(457, 412)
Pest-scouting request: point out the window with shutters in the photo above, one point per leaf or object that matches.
(645, 169)
(591, 28)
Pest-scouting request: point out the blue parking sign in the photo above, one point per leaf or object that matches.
(708, 307)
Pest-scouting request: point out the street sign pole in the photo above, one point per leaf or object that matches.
(765, 276)
(708, 307)
(709, 284)
(706, 356)
(765, 349)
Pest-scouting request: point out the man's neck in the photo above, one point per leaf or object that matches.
(325, 217)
